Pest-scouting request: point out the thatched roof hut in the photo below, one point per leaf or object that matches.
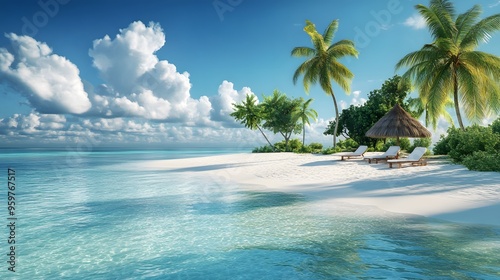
(398, 123)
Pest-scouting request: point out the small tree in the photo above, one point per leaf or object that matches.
(250, 114)
(303, 113)
(279, 117)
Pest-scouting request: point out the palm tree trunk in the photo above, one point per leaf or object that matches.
(303, 134)
(263, 134)
(336, 119)
(455, 100)
(426, 116)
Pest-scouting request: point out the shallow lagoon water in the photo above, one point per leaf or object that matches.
(95, 216)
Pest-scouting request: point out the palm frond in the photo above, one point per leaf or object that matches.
(472, 99)
(438, 19)
(302, 69)
(341, 49)
(303, 52)
(437, 90)
(466, 21)
(341, 75)
(329, 32)
(311, 75)
(484, 63)
(481, 31)
(316, 38)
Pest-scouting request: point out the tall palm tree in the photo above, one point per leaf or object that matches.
(451, 67)
(322, 63)
(249, 114)
(303, 113)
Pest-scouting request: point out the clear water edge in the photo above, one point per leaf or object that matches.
(92, 219)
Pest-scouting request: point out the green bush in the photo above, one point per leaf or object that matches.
(476, 147)
(442, 147)
(379, 146)
(483, 161)
(303, 150)
(495, 126)
(263, 149)
(404, 144)
(472, 139)
(421, 142)
(314, 148)
(331, 150)
(293, 145)
(348, 144)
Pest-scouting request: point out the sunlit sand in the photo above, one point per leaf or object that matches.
(439, 190)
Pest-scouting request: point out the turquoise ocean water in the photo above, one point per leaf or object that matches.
(97, 215)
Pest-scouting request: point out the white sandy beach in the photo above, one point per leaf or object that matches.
(440, 190)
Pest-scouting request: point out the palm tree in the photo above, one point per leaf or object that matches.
(303, 113)
(322, 63)
(451, 67)
(249, 114)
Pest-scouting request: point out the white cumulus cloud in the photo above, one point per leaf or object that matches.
(50, 82)
(223, 102)
(416, 21)
(143, 99)
(139, 84)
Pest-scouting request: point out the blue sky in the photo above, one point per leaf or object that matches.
(164, 73)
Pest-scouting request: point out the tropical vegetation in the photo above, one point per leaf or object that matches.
(304, 114)
(322, 63)
(277, 113)
(449, 72)
(280, 116)
(476, 147)
(355, 121)
(294, 145)
(250, 114)
(450, 67)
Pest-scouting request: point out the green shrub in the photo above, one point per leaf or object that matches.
(280, 146)
(331, 150)
(293, 145)
(421, 142)
(472, 139)
(303, 150)
(379, 146)
(442, 147)
(495, 126)
(476, 147)
(316, 146)
(483, 161)
(348, 144)
(263, 149)
(404, 144)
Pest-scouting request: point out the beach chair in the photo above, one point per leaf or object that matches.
(358, 153)
(391, 153)
(415, 158)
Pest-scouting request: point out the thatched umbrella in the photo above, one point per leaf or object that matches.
(398, 123)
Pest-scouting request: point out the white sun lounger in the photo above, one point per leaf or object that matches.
(358, 153)
(391, 153)
(415, 158)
